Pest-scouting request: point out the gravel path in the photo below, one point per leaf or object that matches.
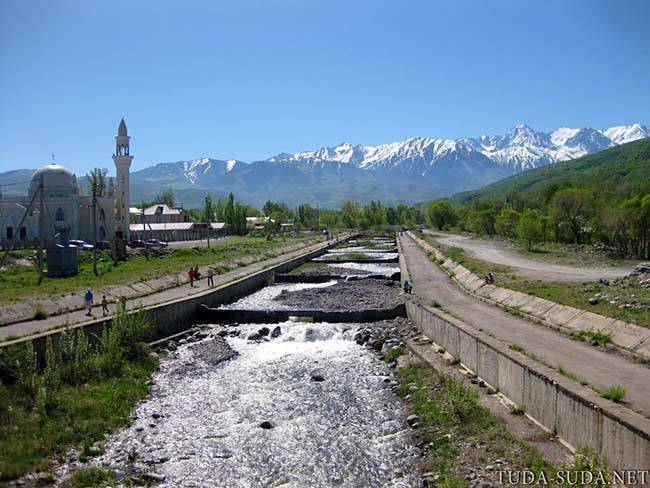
(492, 252)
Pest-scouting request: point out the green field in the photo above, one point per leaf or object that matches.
(21, 281)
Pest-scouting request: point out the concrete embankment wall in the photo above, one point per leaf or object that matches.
(177, 315)
(575, 413)
(207, 314)
(629, 338)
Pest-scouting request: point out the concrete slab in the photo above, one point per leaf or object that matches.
(121, 290)
(627, 335)
(537, 306)
(473, 283)
(560, 315)
(590, 320)
(517, 299)
(141, 287)
(486, 290)
(500, 294)
(643, 349)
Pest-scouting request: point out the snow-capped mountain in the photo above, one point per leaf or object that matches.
(412, 170)
(520, 148)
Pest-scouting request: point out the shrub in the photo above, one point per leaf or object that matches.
(90, 477)
(518, 409)
(393, 353)
(40, 313)
(594, 336)
(614, 393)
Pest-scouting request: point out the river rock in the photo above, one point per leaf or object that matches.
(266, 425)
(412, 420)
(277, 332)
(317, 377)
(157, 477)
(593, 301)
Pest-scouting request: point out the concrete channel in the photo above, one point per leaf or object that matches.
(275, 387)
(576, 414)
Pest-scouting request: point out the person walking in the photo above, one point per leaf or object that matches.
(210, 276)
(104, 306)
(88, 300)
(190, 275)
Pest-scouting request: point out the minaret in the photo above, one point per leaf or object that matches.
(122, 161)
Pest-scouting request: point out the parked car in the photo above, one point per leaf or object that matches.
(79, 244)
(137, 243)
(155, 243)
(105, 245)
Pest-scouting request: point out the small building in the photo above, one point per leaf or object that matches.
(177, 231)
(164, 214)
(256, 223)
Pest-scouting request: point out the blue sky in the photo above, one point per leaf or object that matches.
(248, 79)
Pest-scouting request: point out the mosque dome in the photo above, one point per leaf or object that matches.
(57, 181)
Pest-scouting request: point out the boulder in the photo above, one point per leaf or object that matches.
(277, 332)
(266, 425)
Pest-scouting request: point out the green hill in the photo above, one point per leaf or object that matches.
(621, 171)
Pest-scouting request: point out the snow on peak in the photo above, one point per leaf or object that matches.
(623, 134)
(230, 164)
(195, 168)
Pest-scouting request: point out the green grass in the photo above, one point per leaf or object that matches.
(393, 353)
(450, 415)
(594, 336)
(92, 477)
(19, 282)
(85, 392)
(572, 294)
(614, 393)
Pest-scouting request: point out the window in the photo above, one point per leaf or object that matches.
(23, 232)
(59, 216)
(10, 232)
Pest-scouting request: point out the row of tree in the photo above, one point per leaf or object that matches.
(563, 213)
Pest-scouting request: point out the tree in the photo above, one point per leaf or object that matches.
(506, 222)
(529, 228)
(350, 213)
(167, 197)
(574, 207)
(208, 209)
(374, 214)
(439, 214)
(97, 179)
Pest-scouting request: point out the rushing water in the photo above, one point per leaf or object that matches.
(363, 255)
(346, 431)
(264, 299)
(372, 268)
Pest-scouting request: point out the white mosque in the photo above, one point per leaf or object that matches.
(65, 210)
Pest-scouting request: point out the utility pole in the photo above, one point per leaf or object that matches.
(41, 230)
(317, 218)
(95, 228)
(144, 229)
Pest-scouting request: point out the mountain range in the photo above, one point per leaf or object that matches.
(410, 171)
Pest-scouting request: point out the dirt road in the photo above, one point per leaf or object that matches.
(600, 368)
(492, 252)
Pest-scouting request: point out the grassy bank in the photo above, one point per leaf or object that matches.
(573, 294)
(452, 420)
(85, 391)
(451, 417)
(21, 281)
